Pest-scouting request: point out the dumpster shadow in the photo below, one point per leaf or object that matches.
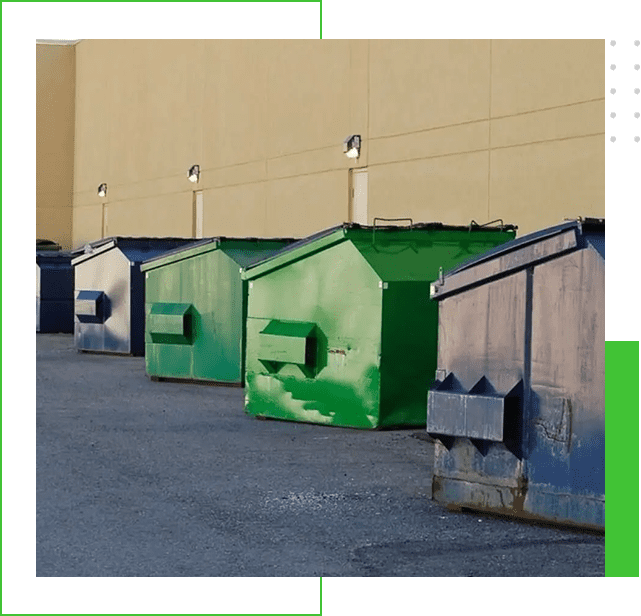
(529, 521)
(451, 557)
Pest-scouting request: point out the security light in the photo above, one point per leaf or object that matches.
(102, 190)
(194, 173)
(352, 146)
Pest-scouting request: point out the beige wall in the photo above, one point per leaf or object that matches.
(55, 94)
(452, 131)
(483, 130)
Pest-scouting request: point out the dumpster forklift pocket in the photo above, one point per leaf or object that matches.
(289, 342)
(480, 414)
(91, 306)
(171, 323)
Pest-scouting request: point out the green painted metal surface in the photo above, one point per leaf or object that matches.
(170, 323)
(355, 305)
(195, 309)
(285, 343)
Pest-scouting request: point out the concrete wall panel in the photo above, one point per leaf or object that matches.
(87, 224)
(452, 130)
(416, 85)
(306, 204)
(538, 185)
(538, 74)
(449, 189)
(55, 122)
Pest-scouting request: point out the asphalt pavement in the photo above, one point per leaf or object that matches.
(142, 478)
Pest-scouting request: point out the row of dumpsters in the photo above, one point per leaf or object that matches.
(491, 343)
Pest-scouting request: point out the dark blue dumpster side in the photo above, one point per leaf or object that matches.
(54, 291)
(517, 406)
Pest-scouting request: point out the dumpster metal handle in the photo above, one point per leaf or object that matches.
(388, 220)
(473, 223)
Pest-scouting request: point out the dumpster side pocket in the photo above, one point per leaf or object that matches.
(289, 342)
(91, 306)
(171, 323)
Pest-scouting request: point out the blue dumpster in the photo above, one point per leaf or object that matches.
(517, 407)
(54, 291)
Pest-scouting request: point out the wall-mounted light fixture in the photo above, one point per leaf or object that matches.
(102, 190)
(194, 173)
(352, 146)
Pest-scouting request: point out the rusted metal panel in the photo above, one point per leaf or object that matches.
(567, 399)
(542, 325)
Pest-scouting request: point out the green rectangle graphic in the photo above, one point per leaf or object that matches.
(622, 458)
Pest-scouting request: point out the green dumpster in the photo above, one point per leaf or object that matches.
(195, 308)
(340, 326)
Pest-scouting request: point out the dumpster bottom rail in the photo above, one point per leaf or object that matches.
(527, 502)
(168, 379)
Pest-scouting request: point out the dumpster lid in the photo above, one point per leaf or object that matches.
(136, 249)
(48, 245)
(182, 252)
(310, 244)
(54, 256)
(522, 252)
(346, 231)
(235, 247)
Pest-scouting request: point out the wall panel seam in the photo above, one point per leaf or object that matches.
(333, 169)
(220, 168)
(489, 142)
(502, 147)
(518, 145)
(417, 158)
(207, 189)
(78, 206)
(564, 105)
(485, 119)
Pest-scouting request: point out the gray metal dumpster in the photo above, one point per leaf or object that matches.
(54, 291)
(517, 406)
(110, 293)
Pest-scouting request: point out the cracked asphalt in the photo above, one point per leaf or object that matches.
(141, 478)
